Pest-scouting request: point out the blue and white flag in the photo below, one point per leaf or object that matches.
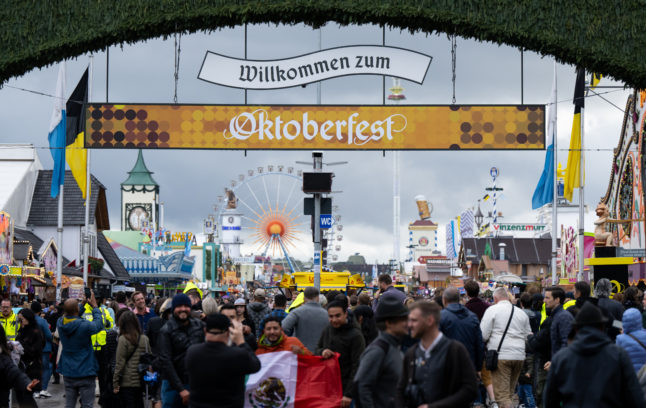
(450, 240)
(544, 192)
(466, 224)
(56, 136)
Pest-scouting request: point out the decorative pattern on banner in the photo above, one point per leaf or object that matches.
(448, 127)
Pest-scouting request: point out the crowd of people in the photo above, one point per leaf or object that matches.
(504, 349)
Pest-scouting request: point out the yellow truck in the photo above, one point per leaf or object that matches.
(329, 281)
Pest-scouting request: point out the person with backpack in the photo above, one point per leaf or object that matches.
(380, 365)
(126, 379)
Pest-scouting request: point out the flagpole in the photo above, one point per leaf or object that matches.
(59, 254)
(581, 199)
(88, 183)
(555, 191)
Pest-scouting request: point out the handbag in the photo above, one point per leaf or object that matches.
(491, 356)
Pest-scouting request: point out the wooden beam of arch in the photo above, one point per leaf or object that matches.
(604, 37)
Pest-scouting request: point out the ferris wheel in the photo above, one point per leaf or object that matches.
(261, 213)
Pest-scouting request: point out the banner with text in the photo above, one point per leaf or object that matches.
(316, 127)
(314, 67)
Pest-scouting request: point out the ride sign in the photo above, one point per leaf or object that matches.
(295, 127)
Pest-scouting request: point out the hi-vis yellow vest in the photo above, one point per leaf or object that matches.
(10, 325)
(98, 340)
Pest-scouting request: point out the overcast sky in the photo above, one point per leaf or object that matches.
(453, 181)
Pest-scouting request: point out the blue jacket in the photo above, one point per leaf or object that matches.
(459, 323)
(632, 321)
(561, 325)
(77, 358)
(47, 334)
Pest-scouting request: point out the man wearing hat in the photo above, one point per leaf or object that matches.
(381, 362)
(178, 334)
(216, 372)
(258, 310)
(592, 371)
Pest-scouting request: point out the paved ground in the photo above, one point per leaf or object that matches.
(58, 397)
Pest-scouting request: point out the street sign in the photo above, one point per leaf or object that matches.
(493, 172)
(326, 221)
(631, 252)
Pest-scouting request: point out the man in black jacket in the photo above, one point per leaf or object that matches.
(178, 334)
(438, 372)
(592, 371)
(381, 362)
(216, 372)
(342, 336)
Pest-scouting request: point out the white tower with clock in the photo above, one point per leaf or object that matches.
(139, 198)
(230, 228)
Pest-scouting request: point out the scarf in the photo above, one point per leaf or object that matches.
(264, 341)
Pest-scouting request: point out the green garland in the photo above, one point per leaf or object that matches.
(604, 37)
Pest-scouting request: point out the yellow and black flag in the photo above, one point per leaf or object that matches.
(594, 81)
(572, 173)
(75, 152)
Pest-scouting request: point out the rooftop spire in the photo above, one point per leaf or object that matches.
(140, 175)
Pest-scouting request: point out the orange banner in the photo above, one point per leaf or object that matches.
(317, 127)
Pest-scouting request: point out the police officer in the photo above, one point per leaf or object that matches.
(98, 341)
(9, 320)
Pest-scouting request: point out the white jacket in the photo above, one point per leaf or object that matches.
(493, 325)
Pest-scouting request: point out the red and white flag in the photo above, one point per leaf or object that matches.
(287, 380)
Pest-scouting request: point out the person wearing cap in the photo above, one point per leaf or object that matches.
(216, 371)
(380, 366)
(242, 315)
(179, 333)
(47, 336)
(592, 371)
(258, 310)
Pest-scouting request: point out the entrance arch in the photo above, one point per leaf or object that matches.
(602, 38)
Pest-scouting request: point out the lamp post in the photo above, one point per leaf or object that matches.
(478, 217)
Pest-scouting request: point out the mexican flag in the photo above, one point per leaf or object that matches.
(287, 380)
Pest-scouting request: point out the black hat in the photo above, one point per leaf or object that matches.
(217, 323)
(590, 315)
(389, 308)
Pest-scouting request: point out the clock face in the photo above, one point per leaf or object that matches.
(136, 218)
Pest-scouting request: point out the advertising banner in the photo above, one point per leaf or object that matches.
(316, 127)
(314, 67)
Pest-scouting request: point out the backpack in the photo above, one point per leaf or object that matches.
(383, 345)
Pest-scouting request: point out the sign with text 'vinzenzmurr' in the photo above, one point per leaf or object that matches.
(314, 67)
(316, 127)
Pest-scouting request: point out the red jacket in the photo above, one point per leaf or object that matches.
(285, 345)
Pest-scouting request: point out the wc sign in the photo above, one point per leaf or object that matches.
(326, 221)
